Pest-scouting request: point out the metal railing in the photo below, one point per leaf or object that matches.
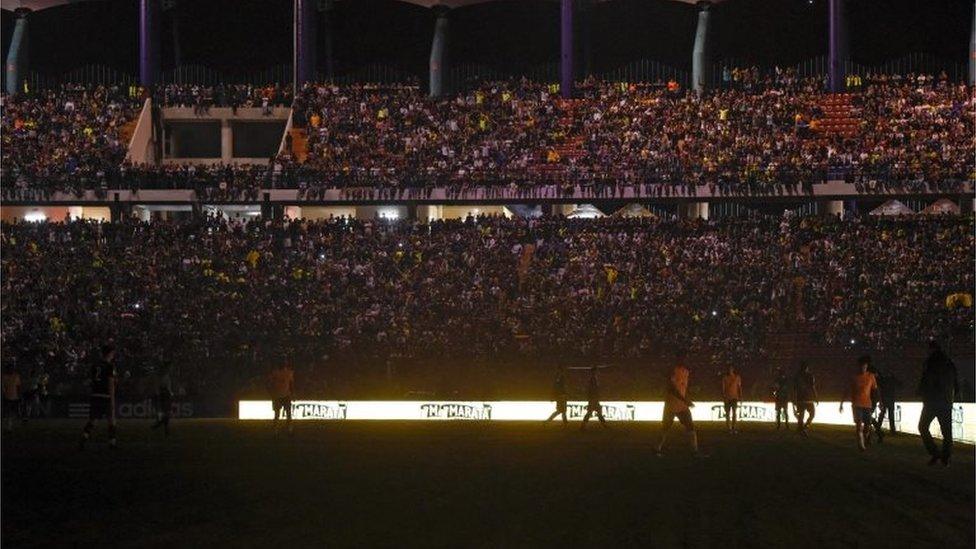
(918, 63)
(463, 76)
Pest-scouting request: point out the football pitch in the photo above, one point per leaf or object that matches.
(227, 483)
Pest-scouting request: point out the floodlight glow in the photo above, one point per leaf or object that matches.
(35, 217)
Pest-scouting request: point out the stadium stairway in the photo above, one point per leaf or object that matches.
(840, 117)
(571, 145)
(525, 261)
(128, 130)
(299, 144)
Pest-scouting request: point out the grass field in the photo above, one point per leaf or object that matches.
(229, 483)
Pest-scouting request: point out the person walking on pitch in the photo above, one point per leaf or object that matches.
(863, 395)
(888, 384)
(805, 398)
(164, 398)
(101, 404)
(678, 405)
(281, 382)
(939, 389)
(559, 395)
(593, 405)
(781, 395)
(731, 394)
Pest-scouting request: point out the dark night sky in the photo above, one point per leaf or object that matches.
(254, 34)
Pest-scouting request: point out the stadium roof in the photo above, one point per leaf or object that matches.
(462, 3)
(37, 5)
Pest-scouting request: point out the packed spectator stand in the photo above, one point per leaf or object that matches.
(755, 136)
(221, 300)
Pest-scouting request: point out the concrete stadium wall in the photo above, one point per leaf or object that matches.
(141, 146)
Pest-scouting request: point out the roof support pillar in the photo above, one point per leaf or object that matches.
(16, 67)
(439, 53)
(303, 33)
(837, 47)
(566, 43)
(700, 55)
(149, 23)
(972, 52)
(327, 39)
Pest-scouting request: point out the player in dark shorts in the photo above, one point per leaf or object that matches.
(731, 395)
(939, 389)
(101, 404)
(678, 405)
(559, 395)
(593, 405)
(889, 385)
(863, 393)
(805, 397)
(781, 394)
(164, 398)
(281, 382)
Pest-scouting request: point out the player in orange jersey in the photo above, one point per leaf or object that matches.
(731, 394)
(678, 405)
(864, 393)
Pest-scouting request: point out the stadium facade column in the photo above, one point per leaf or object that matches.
(149, 23)
(587, 28)
(837, 47)
(972, 52)
(226, 141)
(702, 210)
(303, 42)
(438, 52)
(693, 210)
(700, 54)
(174, 19)
(327, 7)
(566, 66)
(16, 66)
(967, 204)
(832, 207)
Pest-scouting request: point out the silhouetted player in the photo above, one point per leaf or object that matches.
(781, 390)
(731, 394)
(805, 398)
(559, 395)
(11, 396)
(863, 395)
(939, 388)
(101, 404)
(678, 405)
(281, 381)
(164, 398)
(593, 401)
(888, 384)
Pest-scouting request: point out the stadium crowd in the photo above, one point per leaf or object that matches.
(235, 96)
(66, 140)
(754, 136)
(223, 299)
